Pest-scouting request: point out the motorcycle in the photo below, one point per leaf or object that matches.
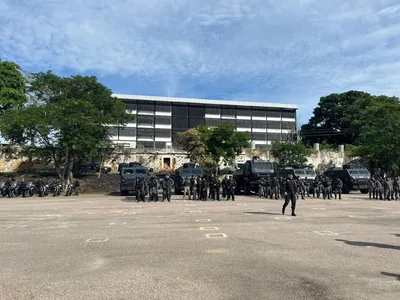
(44, 190)
(28, 190)
(69, 190)
(57, 190)
(3, 189)
(13, 190)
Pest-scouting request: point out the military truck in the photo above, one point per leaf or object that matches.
(128, 176)
(247, 178)
(187, 170)
(353, 179)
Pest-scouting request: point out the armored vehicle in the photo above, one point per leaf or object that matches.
(128, 176)
(187, 170)
(353, 179)
(247, 178)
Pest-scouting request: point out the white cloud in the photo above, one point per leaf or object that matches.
(306, 47)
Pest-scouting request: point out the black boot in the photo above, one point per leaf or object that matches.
(293, 214)
(283, 210)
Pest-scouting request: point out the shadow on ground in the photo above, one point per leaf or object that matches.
(261, 213)
(391, 275)
(396, 234)
(368, 244)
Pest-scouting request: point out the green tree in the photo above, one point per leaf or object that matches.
(332, 119)
(66, 120)
(290, 153)
(211, 146)
(379, 123)
(12, 87)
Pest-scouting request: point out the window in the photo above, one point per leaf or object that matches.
(213, 110)
(180, 122)
(244, 123)
(163, 107)
(258, 136)
(273, 125)
(230, 121)
(195, 121)
(213, 122)
(163, 133)
(145, 133)
(147, 144)
(165, 120)
(259, 124)
(258, 112)
(131, 105)
(241, 111)
(288, 114)
(145, 120)
(127, 131)
(147, 106)
(180, 110)
(228, 112)
(289, 125)
(274, 137)
(197, 111)
(160, 145)
(274, 113)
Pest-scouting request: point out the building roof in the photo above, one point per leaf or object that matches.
(206, 101)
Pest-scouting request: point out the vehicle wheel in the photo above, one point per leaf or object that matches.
(345, 189)
(246, 189)
(364, 191)
(124, 193)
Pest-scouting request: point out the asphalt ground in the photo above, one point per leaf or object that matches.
(110, 247)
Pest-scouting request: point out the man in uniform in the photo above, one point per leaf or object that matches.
(371, 187)
(379, 189)
(167, 188)
(212, 188)
(193, 188)
(326, 185)
(186, 188)
(224, 187)
(290, 194)
(388, 189)
(261, 187)
(301, 188)
(307, 186)
(140, 188)
(153, 188)
(203, 187)
(231, 188)
(337, 187)
(396, 188)
(268, 187)
(282, 186)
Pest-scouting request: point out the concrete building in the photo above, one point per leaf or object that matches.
(158, 119)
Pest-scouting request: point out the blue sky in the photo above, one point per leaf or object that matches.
(288, 51)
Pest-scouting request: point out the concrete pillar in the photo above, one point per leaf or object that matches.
(341, 148)
(316, 146)
(253, 145)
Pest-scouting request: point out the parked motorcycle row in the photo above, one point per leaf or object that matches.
(12, 188)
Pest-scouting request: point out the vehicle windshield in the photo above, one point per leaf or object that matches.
(128, 171)
(310, 172)
(197, 172)
(190, 172)
(263, 167)
(363, 172)
(140, 171)
(299, 172)
(358, 172)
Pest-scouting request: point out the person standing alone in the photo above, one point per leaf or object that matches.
(290, 194)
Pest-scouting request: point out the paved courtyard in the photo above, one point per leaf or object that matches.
(110, 247)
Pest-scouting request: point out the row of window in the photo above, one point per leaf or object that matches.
(200, 110)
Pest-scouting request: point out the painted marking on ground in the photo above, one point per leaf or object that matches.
(209, 228)
(137, 206)
(117, 223)
(241, 204)
(213, 251)
(58, 216)
(358, 217)
(380, 207)
(16, 225)
(283, 218)
(91, 213)
(130, 213)
(203, 220)
(52, 227)
(119, 211)
(93, 240)
(326, 232)
(195, 211)
(318, 208)
(215, 235)
(190, 205)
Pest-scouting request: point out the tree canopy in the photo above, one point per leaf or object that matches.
(12, 87)
(332, 119)
(66, 119)
(290, 153)
(213, 145)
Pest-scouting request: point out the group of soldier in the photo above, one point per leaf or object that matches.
(384, 188)
(321, 186)
(202, 189)
(151, 186)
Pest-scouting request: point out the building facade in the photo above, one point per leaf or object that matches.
(157, 120)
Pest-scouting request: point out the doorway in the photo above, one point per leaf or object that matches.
(166, 163)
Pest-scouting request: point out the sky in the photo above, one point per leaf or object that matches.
(287, 51)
